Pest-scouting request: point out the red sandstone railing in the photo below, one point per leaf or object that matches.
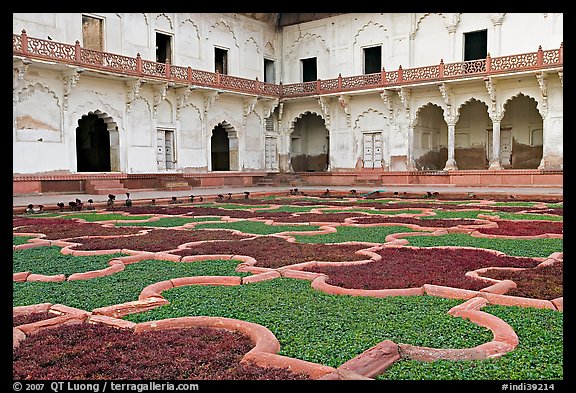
(23, 45)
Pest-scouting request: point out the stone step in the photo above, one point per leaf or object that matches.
(105, 191)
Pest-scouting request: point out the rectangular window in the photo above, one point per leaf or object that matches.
(221, 60)
(92, 33)
(269, 71)
(309, 70)
(475, 45)
(163, 48)
(372, 60)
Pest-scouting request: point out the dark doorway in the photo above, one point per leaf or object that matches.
(309, 73)
(92, 145)
(372, 60)
(475, 45)
(268, 71)
(163, 48)
(220, 147)
(221, 60)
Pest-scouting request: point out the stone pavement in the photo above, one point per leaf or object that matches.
(50, 199)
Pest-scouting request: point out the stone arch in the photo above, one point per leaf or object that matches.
(189, 37)
(224, 147)
(430, 137)
(424, 16)
(522, 127)
(161, 19)
(366, 113)
(309, 143)
(471, 138)
(306, 38)
(367, 26)
(33, 125)
(97, 142)
(539, 104)
(225, 28)
(299, 116)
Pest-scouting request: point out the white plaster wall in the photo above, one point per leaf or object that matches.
(535, 29)
(253, 143)
(190, 139)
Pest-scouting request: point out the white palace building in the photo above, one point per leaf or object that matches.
(116, 101)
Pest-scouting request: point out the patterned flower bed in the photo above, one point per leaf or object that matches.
(69, 352)
(155, 240)
(411, 268)
(325, 331)
(274, 252)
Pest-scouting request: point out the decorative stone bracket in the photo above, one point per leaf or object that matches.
(209, 100)
(324, 103)
(160, 92)
(405, 95)
(182, 95)
(543, 84)
(344, 101)
(70, 79)
(132, 92)
(386, 96)
(19, 66)
(248, 107)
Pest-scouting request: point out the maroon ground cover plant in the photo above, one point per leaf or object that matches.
(60, 228)
(273, 252)
(407, 267)
(155, 240)
(100, 352)
(544, 282)
(31, 318)
(524, 228)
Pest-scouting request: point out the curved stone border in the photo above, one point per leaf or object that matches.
(504, 338)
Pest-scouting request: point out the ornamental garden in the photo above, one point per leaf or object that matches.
(292, 286)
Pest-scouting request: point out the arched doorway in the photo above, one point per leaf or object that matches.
(309, 145)
(521, 134)
(224, 148)
(92, 145)
(430, 139)
(471, 147)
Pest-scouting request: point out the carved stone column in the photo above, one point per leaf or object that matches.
(495, 159)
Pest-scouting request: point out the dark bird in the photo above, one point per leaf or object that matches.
(246, 195)
(174, 200)
(128, 200)
(90, 202)
(60, 205)
(50, 38)
(435, 193)
(201, 199)
(353, 192)
(326, 192)
(395, 192)
(111, 198)
(30, 208)
(229, 196)
(153, 201)
(40, 209)
(191, 198)
(220, 197)
(512, 196)
(428, 194)
(72, 205)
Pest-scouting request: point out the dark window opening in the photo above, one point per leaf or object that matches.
(163, 48)
(475, 45)
(309, 72)
(372, 60)
(220, 149)
(92, 33)
(221, 60)
(269, 71)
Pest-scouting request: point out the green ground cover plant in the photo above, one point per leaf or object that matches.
(534, 248)
(375, 234)
(169, 221)
(17, 240)
(322, 328)
(121, 287)
(92, 217)
(48, 260)
(538, 356)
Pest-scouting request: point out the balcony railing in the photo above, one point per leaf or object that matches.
(29, 47)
